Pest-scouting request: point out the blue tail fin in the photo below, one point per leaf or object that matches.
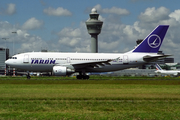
(153, 41)
(158, 67)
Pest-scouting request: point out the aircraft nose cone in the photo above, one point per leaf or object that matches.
(6, 62)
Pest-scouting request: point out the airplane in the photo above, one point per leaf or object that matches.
(168, 72)
(65, 64)
(99, 73)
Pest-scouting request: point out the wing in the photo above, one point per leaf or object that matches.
(92, 64)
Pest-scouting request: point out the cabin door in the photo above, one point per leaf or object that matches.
(125, 59)
(68, 60)
(26, 59)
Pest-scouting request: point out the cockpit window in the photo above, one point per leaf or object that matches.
(12, 57)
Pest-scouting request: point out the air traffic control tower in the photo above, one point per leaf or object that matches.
(94, 28)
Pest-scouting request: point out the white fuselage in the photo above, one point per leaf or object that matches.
(44, 61)
(168, 72)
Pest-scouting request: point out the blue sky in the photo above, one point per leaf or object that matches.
(59, 25)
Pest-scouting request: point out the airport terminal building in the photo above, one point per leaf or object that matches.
(4, 55)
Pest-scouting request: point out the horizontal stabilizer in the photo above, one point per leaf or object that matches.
(149, 58)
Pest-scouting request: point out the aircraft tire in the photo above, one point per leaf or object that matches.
(79, 76)
(28, 77)
(86, 77)
(82, 76)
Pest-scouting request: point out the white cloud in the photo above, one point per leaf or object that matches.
(5, 29)
(10, 10)
(32, 24)
(72, 39)
(69, 41)
(33, 43)
(57, 12)
(108, 45)
(175, 14)
(22, 34)
(113, 10)
(23, 41)
(154, 15)
(70, 32)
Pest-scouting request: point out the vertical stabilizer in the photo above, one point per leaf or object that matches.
(158, 67)
(153, 41)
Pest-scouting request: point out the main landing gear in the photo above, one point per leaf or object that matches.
(28, 76)
(82, 76)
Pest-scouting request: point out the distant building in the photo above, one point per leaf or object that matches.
(44, 50)
(139, 41)
(4, 55)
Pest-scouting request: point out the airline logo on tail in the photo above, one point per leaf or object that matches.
(153, 41)
(158, 67)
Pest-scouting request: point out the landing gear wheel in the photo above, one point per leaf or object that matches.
(28, 77)
(79, 76)
(82, 77)
(85, 77)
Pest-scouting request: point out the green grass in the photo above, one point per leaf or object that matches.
(120, 98)
(93, 109)
(92, 77)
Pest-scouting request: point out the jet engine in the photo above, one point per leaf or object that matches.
(62, 71)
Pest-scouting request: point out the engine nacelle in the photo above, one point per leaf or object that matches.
(62, 71)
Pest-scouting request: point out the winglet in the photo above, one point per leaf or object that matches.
(153, 41)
